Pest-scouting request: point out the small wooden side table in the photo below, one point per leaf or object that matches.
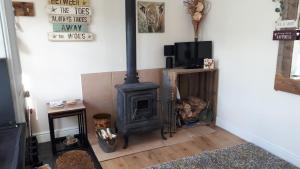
(78, 110)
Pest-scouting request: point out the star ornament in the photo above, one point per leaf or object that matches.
(53, 9)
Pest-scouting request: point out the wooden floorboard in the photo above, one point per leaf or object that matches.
(216, 140)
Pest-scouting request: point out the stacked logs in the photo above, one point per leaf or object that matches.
(190, 109)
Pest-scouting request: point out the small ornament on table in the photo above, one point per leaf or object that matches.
(209, 64)
(70, 140)
(57, 104)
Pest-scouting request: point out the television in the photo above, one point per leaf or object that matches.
(192, 54)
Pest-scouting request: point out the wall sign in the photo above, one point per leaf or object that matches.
(286, 24)
(70, 27)
(286, 35)
(69, 19)
(71, 36)
(68, 10)
(69, 2)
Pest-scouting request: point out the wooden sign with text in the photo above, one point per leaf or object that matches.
(69, 19)
(70, 27)
(69, 2)
(286, 35)
(69, 10)
(70, 36)
(286, 24)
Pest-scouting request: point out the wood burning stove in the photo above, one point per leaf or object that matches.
(137, 102)
(137, 109)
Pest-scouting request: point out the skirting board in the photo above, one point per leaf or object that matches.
(43, 137)
(261, 142)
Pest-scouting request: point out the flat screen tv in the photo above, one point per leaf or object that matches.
(192, 54)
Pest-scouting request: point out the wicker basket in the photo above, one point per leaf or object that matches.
(102, 120)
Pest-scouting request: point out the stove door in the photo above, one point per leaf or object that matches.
(143, 107)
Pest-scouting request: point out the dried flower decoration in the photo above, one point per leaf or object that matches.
(197, 9)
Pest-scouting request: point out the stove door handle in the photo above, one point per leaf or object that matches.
(134, 114)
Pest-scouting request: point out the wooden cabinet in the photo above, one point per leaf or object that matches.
(202, 83)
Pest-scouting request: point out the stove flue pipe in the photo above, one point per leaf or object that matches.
(132, 75)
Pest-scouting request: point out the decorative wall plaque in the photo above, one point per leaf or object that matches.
(286, 24)
(70, 27)
(68, 10)
(69, 2)
(70, 20)
(286, 35)
(70, 36)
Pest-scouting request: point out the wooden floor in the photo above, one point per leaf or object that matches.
(217, 140)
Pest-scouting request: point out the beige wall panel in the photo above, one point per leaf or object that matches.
(117, 79)
(97, 95)
(100, 95)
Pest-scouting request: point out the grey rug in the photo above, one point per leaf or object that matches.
(244, 156)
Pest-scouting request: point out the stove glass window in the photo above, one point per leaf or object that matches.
(143, 104)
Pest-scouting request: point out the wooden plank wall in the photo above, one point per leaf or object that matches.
(285, 55)
(99, 93)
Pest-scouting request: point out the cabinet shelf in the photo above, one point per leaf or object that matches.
(202, 83)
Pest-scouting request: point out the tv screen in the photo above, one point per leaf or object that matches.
(192, 54)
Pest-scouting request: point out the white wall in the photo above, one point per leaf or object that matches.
(53, 69)
(248, 105)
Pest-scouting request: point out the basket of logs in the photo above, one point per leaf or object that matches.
(107, 140)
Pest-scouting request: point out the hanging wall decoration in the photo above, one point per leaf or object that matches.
(69, 10)
(281, 22)
(69, 2)
(70, 27)
(286, 35)
(70, 19)
(151, 17)
(23, 8)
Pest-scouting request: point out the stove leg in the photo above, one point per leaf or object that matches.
(162, 133)
(116, 128)
(125, 141)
